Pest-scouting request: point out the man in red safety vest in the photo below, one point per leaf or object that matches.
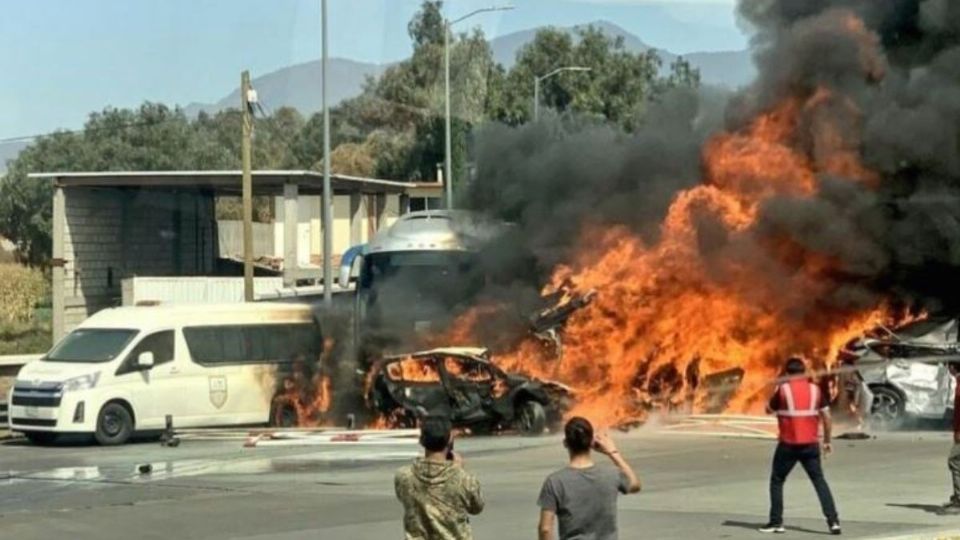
(801, 407)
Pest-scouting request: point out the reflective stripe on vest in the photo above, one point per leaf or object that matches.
(798, 417)
(787, 392)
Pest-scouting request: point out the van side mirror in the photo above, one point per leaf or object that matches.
(145, 360)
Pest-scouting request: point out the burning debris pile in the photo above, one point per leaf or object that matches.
(826, 204)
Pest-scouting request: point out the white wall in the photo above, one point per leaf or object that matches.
(310, 229)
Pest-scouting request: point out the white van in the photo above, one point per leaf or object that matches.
(125, 369)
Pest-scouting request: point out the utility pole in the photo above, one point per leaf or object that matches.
(327, 213)
(245, 92)
(447, 151)
(536, 98)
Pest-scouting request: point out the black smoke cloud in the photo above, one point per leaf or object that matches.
(897, 240)
(551, 178)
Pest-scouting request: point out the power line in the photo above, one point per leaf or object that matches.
(85, 130)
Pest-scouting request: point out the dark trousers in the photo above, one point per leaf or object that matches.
(784, 459)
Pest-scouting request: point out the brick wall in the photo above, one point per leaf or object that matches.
(111, 234)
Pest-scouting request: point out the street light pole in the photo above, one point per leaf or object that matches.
(538, 80)
(327, 195)
(536, 98)
(448, 153)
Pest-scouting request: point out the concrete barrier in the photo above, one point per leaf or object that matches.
(18, 360)
(9, 367)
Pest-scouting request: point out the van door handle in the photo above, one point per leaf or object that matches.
(174, 370)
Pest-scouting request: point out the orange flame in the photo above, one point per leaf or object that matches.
(308, 390)
(713, 293)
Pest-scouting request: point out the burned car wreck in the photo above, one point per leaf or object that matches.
(906, 369)
(464, 385)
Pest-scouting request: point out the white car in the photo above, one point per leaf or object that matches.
(124, 370)
(906, 369)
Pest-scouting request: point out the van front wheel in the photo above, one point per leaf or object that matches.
(114, 425)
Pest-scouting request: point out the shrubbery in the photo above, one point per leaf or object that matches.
(21, 289)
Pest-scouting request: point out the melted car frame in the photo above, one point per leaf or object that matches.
(465, 386)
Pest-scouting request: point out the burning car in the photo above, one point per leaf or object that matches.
(906, 369)
(463, 384)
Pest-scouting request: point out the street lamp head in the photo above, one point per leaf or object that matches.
(561, 70)
(507, 7)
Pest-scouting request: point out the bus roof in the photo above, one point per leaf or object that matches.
(440, 230)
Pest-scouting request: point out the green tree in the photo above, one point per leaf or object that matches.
(152, 137)
(26, 205)
(617, 88)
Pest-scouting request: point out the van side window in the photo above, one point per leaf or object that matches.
(159, 343)
(256, 343)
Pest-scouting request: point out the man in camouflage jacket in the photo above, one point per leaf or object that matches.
(437, 493)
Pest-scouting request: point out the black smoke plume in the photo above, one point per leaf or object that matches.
(896, 62)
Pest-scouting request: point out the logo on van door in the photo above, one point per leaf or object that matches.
(218, 391)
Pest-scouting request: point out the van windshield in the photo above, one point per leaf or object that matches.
(91, 345)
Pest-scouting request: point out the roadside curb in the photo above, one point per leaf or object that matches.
(939, 534)
(8, 435)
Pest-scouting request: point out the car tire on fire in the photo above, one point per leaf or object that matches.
(887, 411)
(283, 415)
(531, 418)
(114, 425)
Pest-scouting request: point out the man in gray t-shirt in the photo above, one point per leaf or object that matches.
(583, 496)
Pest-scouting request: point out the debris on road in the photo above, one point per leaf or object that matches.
(722, 425)
(332, 437)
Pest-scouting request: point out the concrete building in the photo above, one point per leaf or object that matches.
(112, 226)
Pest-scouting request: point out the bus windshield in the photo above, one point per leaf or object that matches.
(414, 290)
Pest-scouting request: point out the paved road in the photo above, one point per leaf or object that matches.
(695, 487)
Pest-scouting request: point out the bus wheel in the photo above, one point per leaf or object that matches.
(114, 425)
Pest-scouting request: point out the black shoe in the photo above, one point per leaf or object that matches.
(835, 528)
(772, 528)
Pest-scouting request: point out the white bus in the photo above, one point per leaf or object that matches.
(413, 277)
(124, 370)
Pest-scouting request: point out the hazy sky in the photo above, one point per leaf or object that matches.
(62, 59)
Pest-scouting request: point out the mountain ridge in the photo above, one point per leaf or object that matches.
(298, 85)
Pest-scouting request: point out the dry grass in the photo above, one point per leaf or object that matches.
(21, 289)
